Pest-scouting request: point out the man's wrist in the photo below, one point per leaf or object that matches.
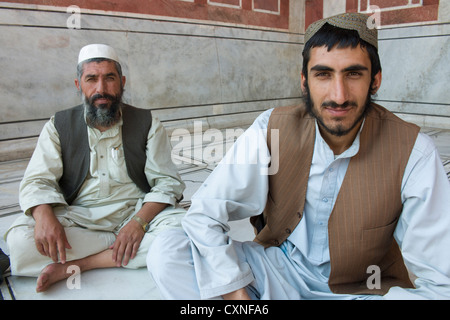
(145, 225)
(41, 211)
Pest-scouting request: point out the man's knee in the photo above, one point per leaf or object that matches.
(23, 252)
(20, 238)
(168, 250)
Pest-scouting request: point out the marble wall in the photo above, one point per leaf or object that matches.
(222, 74)
(221, 62)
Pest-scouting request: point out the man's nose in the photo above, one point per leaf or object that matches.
(339, 90)
(100, 86)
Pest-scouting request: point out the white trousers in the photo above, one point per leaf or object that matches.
(171, 265)
(27, 261)
(276, 275)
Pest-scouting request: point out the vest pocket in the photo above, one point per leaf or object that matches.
(379, 239)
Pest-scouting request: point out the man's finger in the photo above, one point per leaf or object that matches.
(128, 253)
(41, 249)
(53, 251)
(62, 251)
(119, 254)
(136, 246)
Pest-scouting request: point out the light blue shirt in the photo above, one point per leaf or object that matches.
(237, 189)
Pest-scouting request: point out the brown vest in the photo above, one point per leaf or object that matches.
(368, 206)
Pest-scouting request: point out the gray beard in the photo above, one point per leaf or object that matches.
(102, 116)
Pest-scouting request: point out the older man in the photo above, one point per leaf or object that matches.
(358, 194)
(100, 183)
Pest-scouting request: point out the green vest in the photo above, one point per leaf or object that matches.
(75, 152)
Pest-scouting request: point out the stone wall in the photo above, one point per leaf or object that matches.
(220, 62)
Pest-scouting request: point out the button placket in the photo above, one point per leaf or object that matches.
(102, 167)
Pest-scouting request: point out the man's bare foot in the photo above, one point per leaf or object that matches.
(56, 271)
(51, 274)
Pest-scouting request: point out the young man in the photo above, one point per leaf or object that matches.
(355, 195)
(100, 184)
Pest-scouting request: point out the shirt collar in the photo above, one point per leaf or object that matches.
(350, 152)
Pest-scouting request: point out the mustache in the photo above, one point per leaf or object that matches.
(334, 105)
(102, 96)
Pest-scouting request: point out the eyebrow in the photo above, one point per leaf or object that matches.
(355, 67)
(96, 75)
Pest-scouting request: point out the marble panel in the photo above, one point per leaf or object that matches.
(434, 30)
(424, 121)
(259, 70)
(168, 71)
(21, 130)
(41, 68)
(217, 110)
(411, 107)
(416, 70)
(17, 149)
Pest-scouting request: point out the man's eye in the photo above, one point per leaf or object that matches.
(354, 74)
(322, 74)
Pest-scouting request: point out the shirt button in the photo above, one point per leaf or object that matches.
(288, 231)
(325, 199)
(276, 242)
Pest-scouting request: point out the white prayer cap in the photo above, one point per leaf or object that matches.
(92, 51)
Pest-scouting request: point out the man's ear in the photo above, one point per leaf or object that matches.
(304, 84)
(376, 83)
(77, 84)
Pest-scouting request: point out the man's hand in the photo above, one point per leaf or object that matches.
(130, 236)
(49, 234)
(127, 243)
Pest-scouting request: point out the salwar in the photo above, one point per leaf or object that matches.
(171, 264)
(172, 259)
(27, 261)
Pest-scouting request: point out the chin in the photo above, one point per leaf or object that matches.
(103, 106)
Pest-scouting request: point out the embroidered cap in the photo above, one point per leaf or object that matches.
(350, 21)
(92, 51)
